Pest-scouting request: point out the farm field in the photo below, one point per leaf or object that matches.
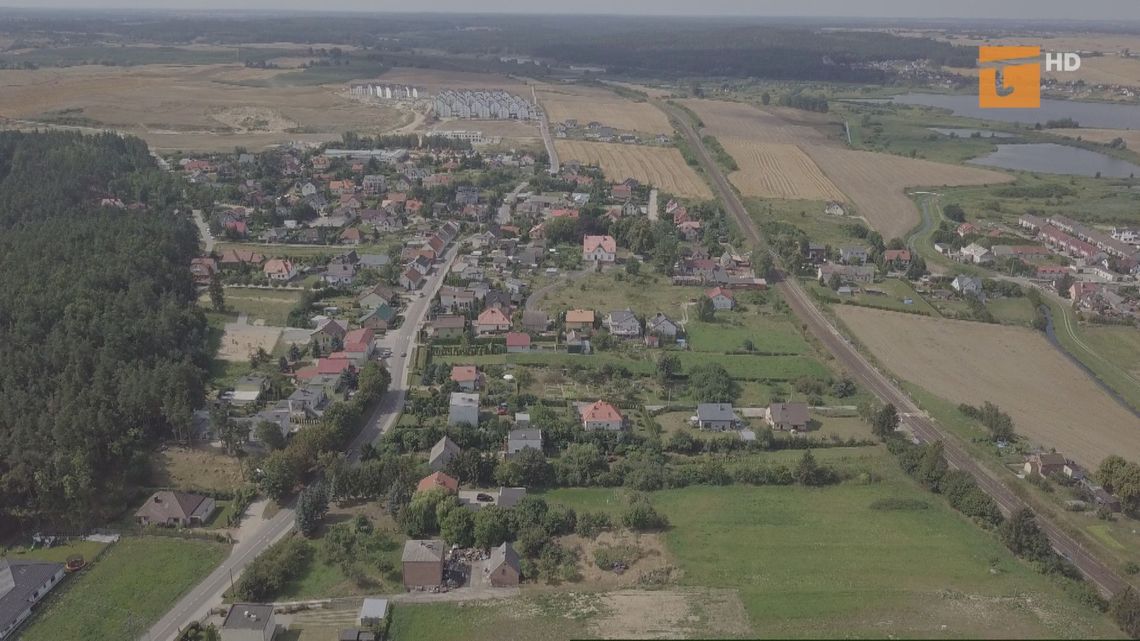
(876, 183)
(777, 170)
(126, 590)
(1014, 367)
(192, 108)
(589, 104)
(435, 79)
(823, 563)
(744, 122)
(662, 167)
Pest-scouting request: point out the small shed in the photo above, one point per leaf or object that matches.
(503, 567)
(373, 612)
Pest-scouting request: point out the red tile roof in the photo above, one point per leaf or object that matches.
(601, 411)
(518, 339)
(438, 479)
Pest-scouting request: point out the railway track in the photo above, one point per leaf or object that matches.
(926, 430)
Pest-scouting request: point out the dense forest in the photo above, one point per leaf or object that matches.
(104, 351)
(653, 46)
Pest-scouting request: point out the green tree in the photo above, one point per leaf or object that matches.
(269, 433)
(280, 473)
(765, 98)
(712, 384)
(885, 421)
(705, 310)
(668, 367)
(312, 505)
(580, 465)
(492, 527)
(217, 293)
(1125, 610)
(458, 527)
(1023, 537)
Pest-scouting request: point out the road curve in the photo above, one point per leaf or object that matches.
(1105, 579)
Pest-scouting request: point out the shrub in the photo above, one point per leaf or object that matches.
(591, 524)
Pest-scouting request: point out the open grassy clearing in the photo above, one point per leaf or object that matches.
(806, 215)
(768, 334)
(1052, 403)
(776, 170)
(905, 129)
(125, 591)
(197, 469)
(269, 305)
(647, 293)
(822, 563)
(662, 167)
(891, 293)
(750, 367)
(193, 108)
(1111, 353)
(57, 554)
(594, 104)
(876, 183)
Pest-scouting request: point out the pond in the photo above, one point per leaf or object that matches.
(1051, 158)
(1100, 115)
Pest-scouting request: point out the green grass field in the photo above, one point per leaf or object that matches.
(270, 305)
(60, 553)
(125, 591)
(769, 334)
(536, 617)
(806, 215)
(822, 563)
(892, 294)
(750, 367)
(646, 294)
(1111, 352)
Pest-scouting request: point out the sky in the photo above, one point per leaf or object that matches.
(975, 9)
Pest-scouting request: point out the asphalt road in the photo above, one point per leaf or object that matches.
(885, 389)
(196, 604)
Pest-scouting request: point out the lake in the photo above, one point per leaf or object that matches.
(1051, 158)
(967, 133)
(1088, 114)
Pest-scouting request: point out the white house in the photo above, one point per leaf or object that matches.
(600, 415)
(280, 269)
(463, 409)
(602, 249)
(967, 285)
(721, 298)
(977, 254)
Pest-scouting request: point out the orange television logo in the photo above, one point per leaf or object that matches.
(1020, 86)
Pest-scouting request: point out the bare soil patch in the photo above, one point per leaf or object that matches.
(652, 556)
(1052, 402)
(662, 167)
(240, 340)
(671, 614)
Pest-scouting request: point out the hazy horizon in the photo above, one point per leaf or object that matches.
(1090, 10)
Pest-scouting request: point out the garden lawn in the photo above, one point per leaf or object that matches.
(822, 563)
(124, 592)
(769, 335)
(748, 367)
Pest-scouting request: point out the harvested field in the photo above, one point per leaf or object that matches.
(876, 183)
(195, 108)
(742, 121)
(587, 104)
(777, 170)
(1052, 402)
(662, 167)
(1131, 136)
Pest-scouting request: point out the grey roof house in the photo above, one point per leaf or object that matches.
(442, 453)
(716, 416)
(22, 585)
(519, 440)
(623, 323)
